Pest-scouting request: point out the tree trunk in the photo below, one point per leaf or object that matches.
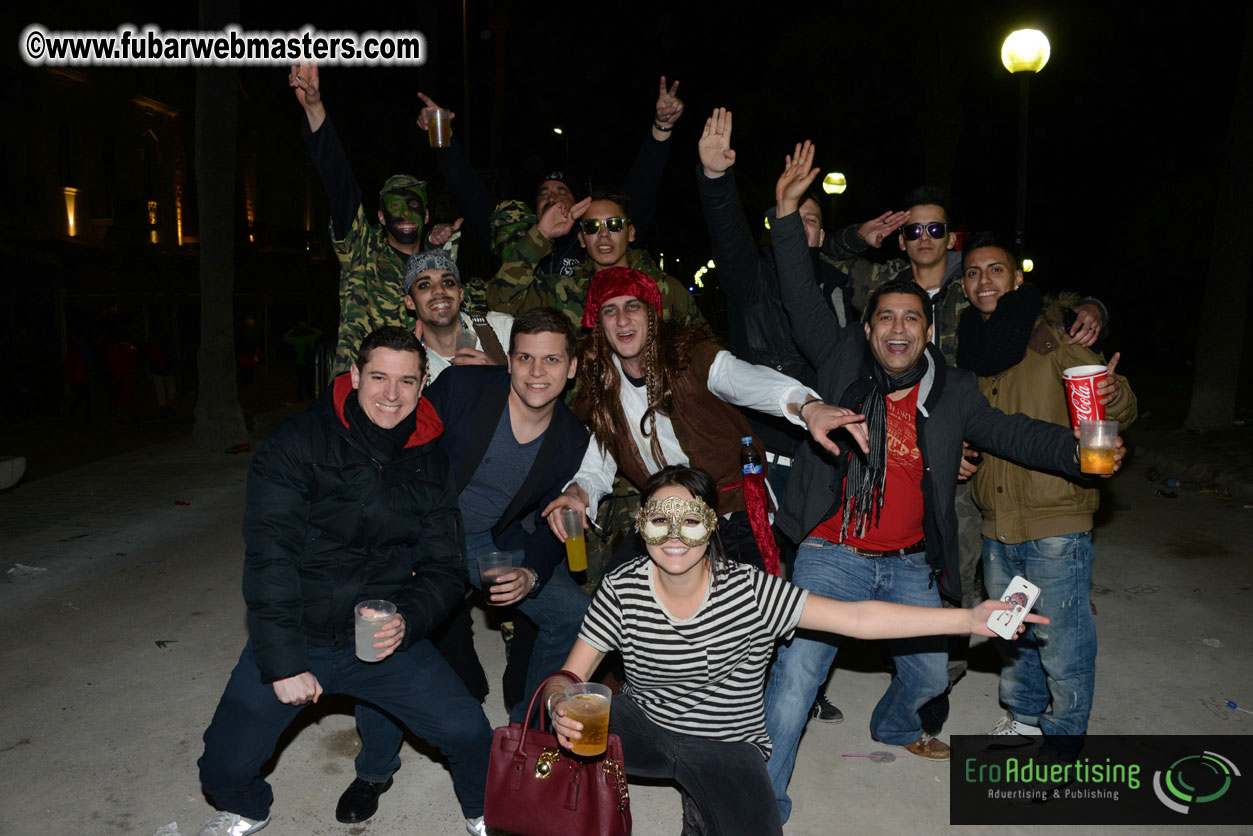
(1224, 307)
(219, 418)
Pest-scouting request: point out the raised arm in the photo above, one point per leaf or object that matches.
(739, 266)
(643, 181)
(471, 197)
(815, 328)
(343, 193)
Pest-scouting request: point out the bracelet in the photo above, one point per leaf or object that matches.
(800, 413)
(665, 129)
(548, 703)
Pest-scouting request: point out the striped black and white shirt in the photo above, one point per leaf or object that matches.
(704, 675)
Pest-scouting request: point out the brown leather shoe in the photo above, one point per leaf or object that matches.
(930, 748)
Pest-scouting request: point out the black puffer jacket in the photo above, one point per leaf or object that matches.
(327, 526)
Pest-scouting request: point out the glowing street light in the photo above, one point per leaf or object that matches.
(557, 131)
(1026, 50)
(834, 183)
(711, 264)
(1027, 265)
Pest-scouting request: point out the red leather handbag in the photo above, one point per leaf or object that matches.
(535, 788)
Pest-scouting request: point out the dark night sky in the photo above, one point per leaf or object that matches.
(1127, 120)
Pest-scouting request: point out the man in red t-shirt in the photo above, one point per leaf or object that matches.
(879, 523)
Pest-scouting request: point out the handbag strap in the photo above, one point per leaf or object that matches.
(526, 723)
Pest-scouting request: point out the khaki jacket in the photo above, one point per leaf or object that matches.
(1019, 504)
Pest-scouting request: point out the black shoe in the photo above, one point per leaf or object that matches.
(360, 800)
(824, 712)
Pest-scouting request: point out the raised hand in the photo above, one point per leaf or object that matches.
(669, 105)
(424, 116)
(798, 173)
(875, 230)
(304, 78)
(1087, 327)
(714, 146)
(557, 220)
(440, 233)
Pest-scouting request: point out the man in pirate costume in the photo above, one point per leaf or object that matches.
(879, 524)
(657, 394)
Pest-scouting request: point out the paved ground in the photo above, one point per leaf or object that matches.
(102, 725)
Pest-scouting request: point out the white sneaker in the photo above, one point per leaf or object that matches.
(475, 827)
(232, 824)
(1008, 725)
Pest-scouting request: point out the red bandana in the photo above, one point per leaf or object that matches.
(615, 282)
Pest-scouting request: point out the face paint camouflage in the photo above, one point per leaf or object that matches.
(689, 520)
(404, 216)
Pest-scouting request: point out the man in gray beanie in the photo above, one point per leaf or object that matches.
(451, 335)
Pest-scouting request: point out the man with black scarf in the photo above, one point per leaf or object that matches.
(1035, 524)
(880, 523)
(347, 502)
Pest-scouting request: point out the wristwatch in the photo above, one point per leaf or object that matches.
(535, 588)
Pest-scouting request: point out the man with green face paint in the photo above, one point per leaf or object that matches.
(371, 257)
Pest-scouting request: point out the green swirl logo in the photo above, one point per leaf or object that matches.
(1193, 780)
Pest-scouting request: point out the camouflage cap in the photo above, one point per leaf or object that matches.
(429, 260)
(399, 182)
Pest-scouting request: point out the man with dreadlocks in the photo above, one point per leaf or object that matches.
(657, 394)
(880, 525)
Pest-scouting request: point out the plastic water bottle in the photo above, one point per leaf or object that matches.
(750, 459)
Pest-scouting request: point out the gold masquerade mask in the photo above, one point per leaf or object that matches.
(690, 520)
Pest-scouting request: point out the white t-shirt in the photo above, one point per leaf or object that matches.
(704, 675)
(501, 325)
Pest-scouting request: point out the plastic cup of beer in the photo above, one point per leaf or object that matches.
(439, 129)
(491, 566)
(576, 539)
(1097, 440)
(371, 617)
(588, 703)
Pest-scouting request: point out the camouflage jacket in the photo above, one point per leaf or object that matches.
(371, 287)
(519, 286)
(844, 251)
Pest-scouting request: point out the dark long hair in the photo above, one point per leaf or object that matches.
(667, 352)
(700, 485)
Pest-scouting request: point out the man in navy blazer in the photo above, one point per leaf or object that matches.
(512, 444)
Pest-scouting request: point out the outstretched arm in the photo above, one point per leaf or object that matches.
(472, 198)
(883, 620)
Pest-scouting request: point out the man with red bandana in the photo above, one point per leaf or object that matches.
(657, 394)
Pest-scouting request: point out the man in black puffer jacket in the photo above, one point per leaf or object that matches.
(350, 501)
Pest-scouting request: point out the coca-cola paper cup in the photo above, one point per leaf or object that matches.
(1081, 383)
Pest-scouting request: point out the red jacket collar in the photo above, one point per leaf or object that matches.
(429, 426)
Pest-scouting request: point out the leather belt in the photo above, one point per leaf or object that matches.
(781, 461)
(920, 546)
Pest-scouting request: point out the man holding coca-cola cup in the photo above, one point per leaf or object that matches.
(1036, 524)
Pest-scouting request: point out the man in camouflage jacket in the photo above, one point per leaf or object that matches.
(372, 257)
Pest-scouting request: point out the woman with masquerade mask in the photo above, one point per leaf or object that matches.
(696, 632)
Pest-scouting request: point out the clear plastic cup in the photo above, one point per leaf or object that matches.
(1097, 442)
(371, 616)
(588, 703)
(491, 566)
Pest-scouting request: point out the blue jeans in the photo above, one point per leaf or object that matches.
(724, 781)
(1056, 661)
(416, 686)
(830, 570)
(557, 611)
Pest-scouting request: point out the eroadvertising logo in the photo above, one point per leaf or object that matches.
(1210, 774)
(1098, 779)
